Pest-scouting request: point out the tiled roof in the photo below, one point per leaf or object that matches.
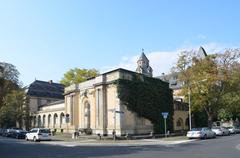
(46, 89)
(53, 103)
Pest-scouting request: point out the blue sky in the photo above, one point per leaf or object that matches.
(46, 38)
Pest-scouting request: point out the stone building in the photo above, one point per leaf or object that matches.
(94, 105)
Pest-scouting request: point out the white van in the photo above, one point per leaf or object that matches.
(38, 134)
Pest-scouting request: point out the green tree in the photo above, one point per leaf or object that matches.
(231, 99)
(13, 104)
(8, 80)
(224, 115)
(217, 71)
(74, 76)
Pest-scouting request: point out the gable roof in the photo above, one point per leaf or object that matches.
(46, 89)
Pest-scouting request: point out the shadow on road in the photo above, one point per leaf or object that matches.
(22, 149)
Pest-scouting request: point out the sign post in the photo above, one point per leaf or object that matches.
(165, 115)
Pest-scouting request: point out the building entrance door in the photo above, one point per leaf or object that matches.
(87, 114)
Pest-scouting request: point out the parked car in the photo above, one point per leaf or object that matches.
(234, 129)
(9, 131)
(201, 133)
(221, 131)
(1, 131)
(19, 134)
(38, 134)
(238, 129)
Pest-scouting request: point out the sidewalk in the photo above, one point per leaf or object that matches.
(90, 141)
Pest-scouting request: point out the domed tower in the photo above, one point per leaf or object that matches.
(143, 65)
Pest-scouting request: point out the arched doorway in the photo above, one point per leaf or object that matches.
(180, 124)
(49, 120)
(87, 114)
(55, 117)
(61, 119)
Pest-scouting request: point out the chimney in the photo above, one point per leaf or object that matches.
(50, 81)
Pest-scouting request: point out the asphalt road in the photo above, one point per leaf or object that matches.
(222, 147)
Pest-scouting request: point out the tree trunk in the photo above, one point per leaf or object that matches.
(210, 120)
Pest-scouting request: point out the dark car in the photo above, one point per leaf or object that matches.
(3, 131)
(10, 131)
(19, 134)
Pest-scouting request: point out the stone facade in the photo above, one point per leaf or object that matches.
(51, 116)
(95, 105)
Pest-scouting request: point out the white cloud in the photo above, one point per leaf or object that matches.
(159, 61)
(163, 61)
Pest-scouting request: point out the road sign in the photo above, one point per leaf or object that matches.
(120, 112)
(165, 114)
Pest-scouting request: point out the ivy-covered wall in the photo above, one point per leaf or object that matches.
(148, 97)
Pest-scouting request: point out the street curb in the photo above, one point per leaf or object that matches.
(140, 143)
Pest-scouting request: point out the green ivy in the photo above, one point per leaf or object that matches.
(147, 97)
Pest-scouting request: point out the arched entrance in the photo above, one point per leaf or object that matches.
(87, 114)
(61, 119)
(180, 124)
(49, 120)
(55, 117)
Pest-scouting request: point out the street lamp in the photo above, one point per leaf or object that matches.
(189, 101)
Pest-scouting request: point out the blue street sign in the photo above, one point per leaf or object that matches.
(121, 112)
(165, 114)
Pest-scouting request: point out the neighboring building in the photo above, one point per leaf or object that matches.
(174, 84)
(181, 109)
(51, 115)
(180, 117)
(41, 93)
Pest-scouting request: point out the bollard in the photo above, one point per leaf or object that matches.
(99, 136)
